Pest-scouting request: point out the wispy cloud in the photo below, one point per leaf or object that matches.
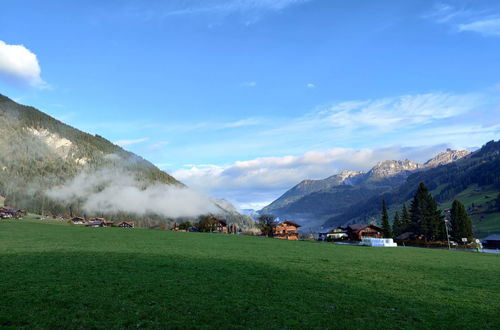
(485, 22)
(488, 27)
(249, 84)
(310, 85)
(261, 180)
(250, 10)
(124, 143)
(20, 66)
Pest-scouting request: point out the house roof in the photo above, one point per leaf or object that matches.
(492, 237)
(359, 226)
(405, 235)
(291, 223)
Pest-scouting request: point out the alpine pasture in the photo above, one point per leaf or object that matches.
(62, 276)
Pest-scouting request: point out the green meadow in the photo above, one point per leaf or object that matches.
(62, 276)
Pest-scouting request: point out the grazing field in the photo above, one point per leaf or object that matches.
(55, 276)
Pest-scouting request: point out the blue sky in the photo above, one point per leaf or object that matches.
(245, 98)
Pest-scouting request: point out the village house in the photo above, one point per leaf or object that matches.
(9, 213)
(78, 221)
(336, 234)
(126, 224)
(221, 226)
(492, 241)
(287, 230)
(99, 222)
(358, 231)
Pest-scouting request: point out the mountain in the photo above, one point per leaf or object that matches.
(312, 202)
(473, 176)
(49, 167)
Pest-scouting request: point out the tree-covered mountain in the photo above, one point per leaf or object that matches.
(312, 202)
(475, 174)
(49, 167)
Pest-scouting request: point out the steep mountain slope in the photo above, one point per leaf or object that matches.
(49, 167)
(312, 202)
(480, 170)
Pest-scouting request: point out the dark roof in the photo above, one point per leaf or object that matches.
(492, 237)
(359, 226)
(223, 222)
(405, 235)
(291, 223)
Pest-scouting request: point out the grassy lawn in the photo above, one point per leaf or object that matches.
(74, 277)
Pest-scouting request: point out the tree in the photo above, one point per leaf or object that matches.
(461, 225)
(185, 225)
(425, 217)
(405, 219)
(397, 226)
(207, 223)
(267, 223)
(386, 226)
(498, 202)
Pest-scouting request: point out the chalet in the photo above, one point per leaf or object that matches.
(78, 221)
(104, 222)
(126, 224)
(95, 224)
(336, 234)
(358, 231)
(221, 226)
(492, 241)
(9, 213)
(287, 230)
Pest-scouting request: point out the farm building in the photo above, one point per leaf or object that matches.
(492, 241)
(358, 231)
(221, 226)
(126, 224)
(78, 221)
(287, 230)
(8, 213)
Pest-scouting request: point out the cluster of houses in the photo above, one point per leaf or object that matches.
(219, 226)
(100, 222)
(355, 232)
(10, 213)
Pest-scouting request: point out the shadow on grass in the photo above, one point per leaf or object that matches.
(117, 290)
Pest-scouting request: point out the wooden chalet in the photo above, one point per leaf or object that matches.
(492, 241)
(9, 213)
(78, 221)
(358, 231)
(287, 230)
(126, 224)
(221, 226)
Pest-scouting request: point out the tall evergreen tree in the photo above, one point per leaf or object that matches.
(461, 225)
(426, 219)
(397, 225)
(386, 226)
(405, 219)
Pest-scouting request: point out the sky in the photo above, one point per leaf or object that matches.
(243, 99)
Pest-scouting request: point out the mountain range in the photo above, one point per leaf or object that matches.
(313, 202)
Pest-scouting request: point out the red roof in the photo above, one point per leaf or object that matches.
(291, 223)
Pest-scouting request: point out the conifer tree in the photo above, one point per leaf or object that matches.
(461, 225)
(397, 226)
(426, 219)
(405, 219)
(386, 226)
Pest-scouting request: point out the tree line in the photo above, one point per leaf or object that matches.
(425, 221)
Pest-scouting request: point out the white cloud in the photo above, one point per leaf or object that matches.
(234, 6)
(484, 22)
(261, 180)
(311, 85)
(123, 143)
(249, 84)
(488, 27)
(19, 65)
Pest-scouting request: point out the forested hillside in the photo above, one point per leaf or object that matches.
(39, 154)
(479, 171)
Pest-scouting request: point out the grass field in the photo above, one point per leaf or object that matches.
(55, 276)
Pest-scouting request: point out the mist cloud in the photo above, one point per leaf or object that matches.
(113, 190)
